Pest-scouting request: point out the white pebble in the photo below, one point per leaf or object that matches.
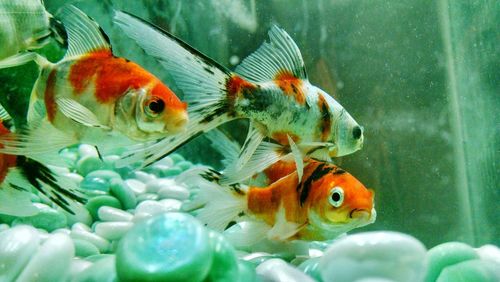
(51, 262)
(489, 252)
(136, 186)
(277, 270)
(388, 255)
(17, 245)
(112, 230)
(77, 265)
(157, 184)
(75, 177)
(166, 161)
(106, 213)
(87, 150)
(59, 169)
(144, 177)
(174, 192)
(172, 205)
(4, 227)
(149, 208)
(62, 231)
(101, 243)
(81, 226)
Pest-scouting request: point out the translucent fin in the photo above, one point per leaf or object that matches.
(279, 55)
(23, 58)
(84, 34)
(253, 140)
(265, 155)
(4, 115)
(246, 233)
(221, 204)
(15, 202)
(283, 229)
(221, 142)
(79, 113)
(297, 156)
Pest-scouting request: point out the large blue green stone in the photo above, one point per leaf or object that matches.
(167, 247)
(225, 263)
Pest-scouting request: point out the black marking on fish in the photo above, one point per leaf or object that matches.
(173, 149)
(207, 69)
(339, 171)
(305, 187)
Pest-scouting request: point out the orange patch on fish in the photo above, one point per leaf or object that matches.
(6, 161)
(290, 85)
(49, 95)
(161, 90)
(111, 76)
(325, 124)
(264, 202)
(278, 170)
(282, 138)
(235, 86)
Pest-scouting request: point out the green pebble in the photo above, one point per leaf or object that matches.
(84, 248)
(176, 158)
(7, 219)
(88, 164)
(96, 258)
(445, 255)
(123, 193)
(95, 203)
(247, 272)
(35, 198)
(167, 247)
(109, 161)
(99, 180)
(184, 165)
(169, 172)
(47, 218)
(310, 267)
(103, 270)
(470, 270)
(224, 264)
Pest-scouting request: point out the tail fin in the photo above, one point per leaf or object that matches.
(220, 204)
(23, 58)
(203, 81)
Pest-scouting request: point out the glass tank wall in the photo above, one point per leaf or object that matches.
(422, 77)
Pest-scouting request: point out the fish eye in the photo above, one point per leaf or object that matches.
(336, 197)
(356, 132)
(155, 107)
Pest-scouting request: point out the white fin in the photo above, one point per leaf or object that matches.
(23, 58)
(221, 204)
(253, 140)
(36, 109)
(317, 150)
(283, 229)
(4, 115)
(224, 145)
(15, 202)
(297, 156)
(246, 233)
(84, 34)
(274, 57)
(79, 113)
(265, 155)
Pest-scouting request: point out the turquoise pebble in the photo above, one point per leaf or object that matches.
(225, 264)
(69, 157)
(81, 214)
(247, 272)
(123, 193)
(88, 164)
(176, 158)
(173, 171)
(147, 197)
(109, 161)
(7, 219)
(445, 255)
(95, 203)
(126, 171)
(257, 258)
(17, 246)
(310, 267)
(470, 270)
(84, 248)
(103, 270)
(87, 150)
(184, 165)
(47, 218)
(167, 247)
(166, 161)
(96, 258)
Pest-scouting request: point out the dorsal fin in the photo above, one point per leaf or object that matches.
(279, 56)
(4, 115)
(84, 34)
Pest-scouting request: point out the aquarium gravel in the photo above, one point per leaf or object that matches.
(133, 229)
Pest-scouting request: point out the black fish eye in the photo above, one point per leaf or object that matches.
(336, 197)
(356, 132)
(156, 106)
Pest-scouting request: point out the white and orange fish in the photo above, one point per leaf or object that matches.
(327, 202)
(20, 176)
(26, 25)
(270, 88)
(93, 97)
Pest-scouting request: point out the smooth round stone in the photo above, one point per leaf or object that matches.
(470, 270)
(142, 176)
(62, 230)
(158, 184)
(96, 258)
(87, 150)
(106, 213)
(77, 266)
(124, 194)
(95, 203)
(84, 248)
(99, 180)
(103, 270)
(147, 197)
(81, 227)
(51, 262)
(101, 243)
(112, 230)
(171, 204)
(224, 264)
(246, 271)
(278, 270)
(257, 258)
(81, 214)
(75, 177)
(167, 247)
(388, 255)
(174, 192)
(176, 158)
(311, 268)
(149, 208)
(138, 187)
(70, 157)
(17, 246)
(489, 253)
(47, 218)
(109, 161)
(4, 227)
(184, 165)
(447, 254)
(170, 172)
(158, 169)
(167, 161)
(88, 164)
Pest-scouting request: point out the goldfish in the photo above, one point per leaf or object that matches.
(26, 25)
(327, 202)
(91, 96)
(19, 176)
(270, 88)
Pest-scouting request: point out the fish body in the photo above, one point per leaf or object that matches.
(94, 97)
(24, 25)
(270, 88)
(325, 203)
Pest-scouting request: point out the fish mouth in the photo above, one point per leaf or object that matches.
(359, 214)
(177, 122)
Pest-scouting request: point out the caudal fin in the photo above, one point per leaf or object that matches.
(202, 80)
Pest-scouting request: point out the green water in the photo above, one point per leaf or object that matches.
(422, 77)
